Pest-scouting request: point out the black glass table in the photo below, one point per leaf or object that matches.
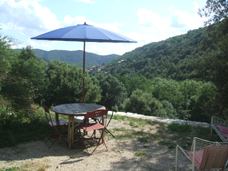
(74, 109)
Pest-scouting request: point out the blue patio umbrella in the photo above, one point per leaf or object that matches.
(84, 33)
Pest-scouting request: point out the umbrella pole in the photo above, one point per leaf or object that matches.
(83, 91)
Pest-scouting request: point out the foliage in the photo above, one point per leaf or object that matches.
(64, 85)
(185, 100)
(140, 154)
(113, 91)
(134, 82)
(215, 11)
(143, 103)
(16, 128)
(11, 169)
(175, 58)
(24, 80)
(214, 65)
(188, 99)
(7, 55)
(176, 127)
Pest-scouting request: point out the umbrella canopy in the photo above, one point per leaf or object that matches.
(84, 33)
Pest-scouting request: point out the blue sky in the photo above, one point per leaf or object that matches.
(145, 21)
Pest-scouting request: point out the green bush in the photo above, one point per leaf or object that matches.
(142, 103)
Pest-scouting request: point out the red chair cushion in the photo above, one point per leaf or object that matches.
(92, 126)
(198, 157)
(223, 129)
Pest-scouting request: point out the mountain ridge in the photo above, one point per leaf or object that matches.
(75, 57)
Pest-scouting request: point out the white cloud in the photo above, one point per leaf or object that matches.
(87, 1)
(110, 26)
(36, 45)
(156, 28)
(68, 21)
(29, 17)
(171, 8)
(110, 48)
(146, 16)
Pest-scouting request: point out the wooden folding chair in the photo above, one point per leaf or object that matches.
(205, 155)
(99, 119)
(55, 125)
(87, 126)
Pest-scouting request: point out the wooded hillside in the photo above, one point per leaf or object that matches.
(75, 57)
(176, 58)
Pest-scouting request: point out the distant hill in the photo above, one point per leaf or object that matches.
(176, 58)
(75, 57)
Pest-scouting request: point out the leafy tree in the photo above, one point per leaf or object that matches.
(113, 91)
(143, 103)
(202, 103)
(169, 90)
(6, 57)
(168, 111)
(134, 82)
(215, 11)
(24, 80)
(64, 85)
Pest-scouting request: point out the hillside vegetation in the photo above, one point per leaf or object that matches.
(175, 58)
(75, 57)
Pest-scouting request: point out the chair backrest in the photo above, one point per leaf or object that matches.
(48, 115)
(214, 157)
(97, 113)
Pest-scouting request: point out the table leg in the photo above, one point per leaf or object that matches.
(71, 130)
(57, 118)
(102, 122)
(57, 121)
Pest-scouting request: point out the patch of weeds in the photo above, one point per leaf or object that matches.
(176, 127)
(120, 129)
(143, 139)
(141, 136)
(140, 154)
(169, 144)
(156, 136)
(123, 133)
(137, 122)
(11, 169)
(204, 133)
(133, 124)
(47, 166)
(149, 121)
(185, 146)
(118, 117)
